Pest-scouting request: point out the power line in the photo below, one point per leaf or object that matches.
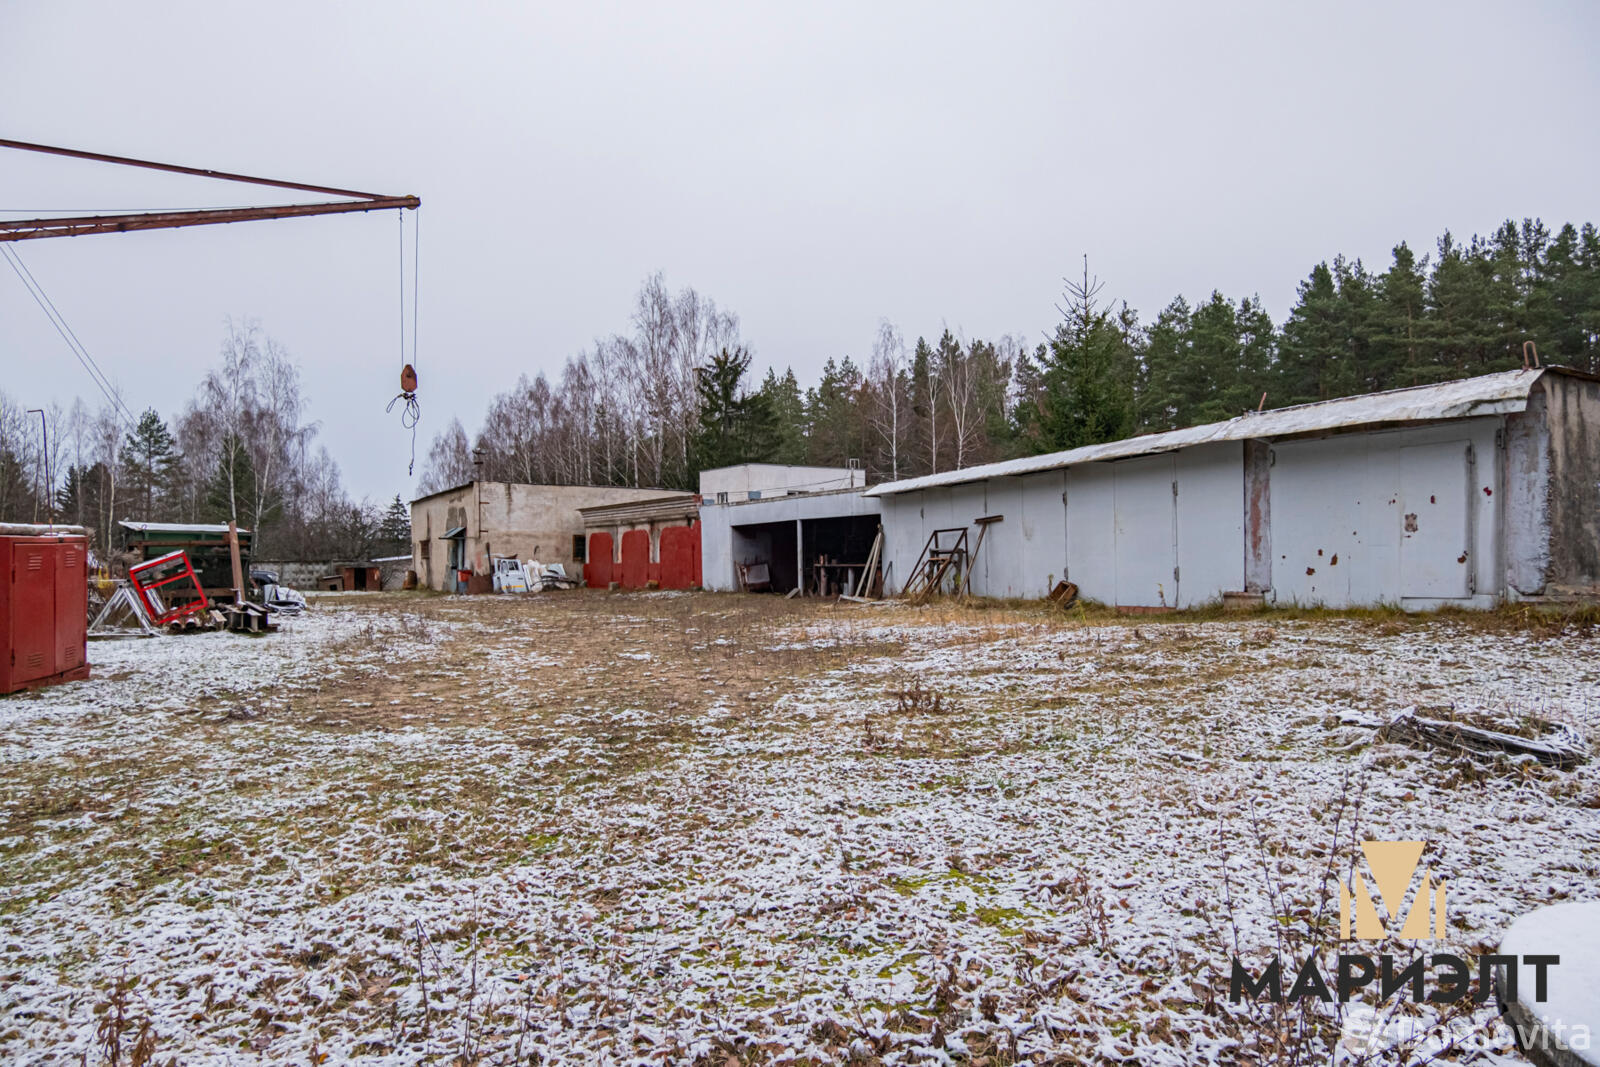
(62, 328)
(59, 321)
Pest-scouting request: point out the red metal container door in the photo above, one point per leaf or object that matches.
(72, 607)
(699, 577)
(677, 557)
(635, 559)
(601, 554)
(33, 612)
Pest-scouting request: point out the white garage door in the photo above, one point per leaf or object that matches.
(1145, 533)
(1436, 528)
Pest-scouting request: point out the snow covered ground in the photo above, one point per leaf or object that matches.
(660, 829)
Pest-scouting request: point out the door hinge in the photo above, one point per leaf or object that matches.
(1174, 489)
(1174, 574)
(1500, 438)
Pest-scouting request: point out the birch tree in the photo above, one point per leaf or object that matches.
(886, 373)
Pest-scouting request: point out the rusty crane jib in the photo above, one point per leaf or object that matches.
(33, 229)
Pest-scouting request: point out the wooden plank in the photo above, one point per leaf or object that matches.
(233, 552)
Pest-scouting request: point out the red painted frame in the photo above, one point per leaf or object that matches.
(141, 588)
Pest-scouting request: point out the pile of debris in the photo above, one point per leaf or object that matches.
(245, 618)
(512, 575)
(1556, 744)
(165, 592)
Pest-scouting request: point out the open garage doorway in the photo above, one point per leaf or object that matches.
(766, 557)
(835, 552)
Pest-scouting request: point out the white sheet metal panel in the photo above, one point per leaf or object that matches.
(1043, 533)
(1323, 524)
(907, 523)
(1145, 532)
(966, 503)
(1001, 568)
(1435, 526)
(1023, 555)
(1091, 533)
(1210, 505)
(1338, 518)
(716, 550)
(902, 539)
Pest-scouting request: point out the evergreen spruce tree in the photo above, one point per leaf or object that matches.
(1564, 312)
(1352, 371)
(1583, 301)
(1312, 341)
(1258, 354)
(922, 451)
(1458, 293)
(78, 499)
(837, 428)
(1089, 373)
(149, 455)
(18, 497)
(1165, 400)
(232, 491)
(735, 425)
(394, 529)
(1399, 335)
(1028, 409)
(783, 398)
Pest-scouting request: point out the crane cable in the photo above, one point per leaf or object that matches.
(411, 411)
(119, 408)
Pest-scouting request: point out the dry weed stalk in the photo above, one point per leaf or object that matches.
(117, 1022)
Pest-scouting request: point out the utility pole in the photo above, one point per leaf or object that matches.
(44, 460)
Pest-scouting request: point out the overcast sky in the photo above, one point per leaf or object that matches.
(812, 167)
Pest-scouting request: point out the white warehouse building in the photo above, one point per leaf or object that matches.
(1465, 493)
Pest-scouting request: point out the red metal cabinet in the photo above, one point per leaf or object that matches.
(43, 610)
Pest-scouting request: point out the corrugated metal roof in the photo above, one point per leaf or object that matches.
(1490, 394)
(675, 506)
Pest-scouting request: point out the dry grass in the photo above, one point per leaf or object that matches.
(445, 745)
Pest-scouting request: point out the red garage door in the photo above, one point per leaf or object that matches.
(635, 559)
(601, 553)
(679, 546)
